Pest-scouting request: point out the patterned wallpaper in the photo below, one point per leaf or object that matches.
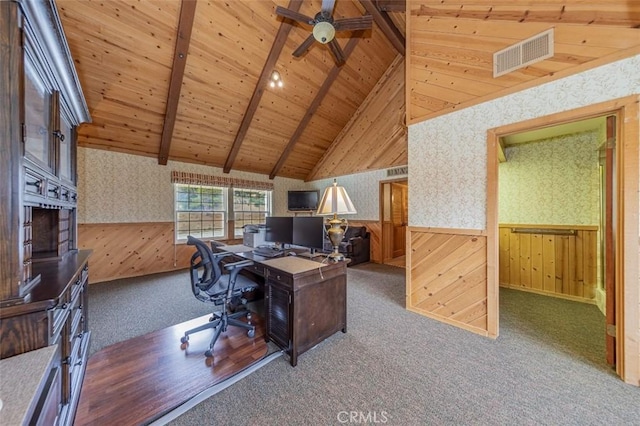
(551, 181)
(124, 188)
(447, 154)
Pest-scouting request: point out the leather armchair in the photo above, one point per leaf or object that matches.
(356, 245)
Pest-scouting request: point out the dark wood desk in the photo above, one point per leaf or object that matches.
(305, 300)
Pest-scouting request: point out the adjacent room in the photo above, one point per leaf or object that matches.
(319, 212)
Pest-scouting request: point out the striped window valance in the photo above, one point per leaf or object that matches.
(189, 178)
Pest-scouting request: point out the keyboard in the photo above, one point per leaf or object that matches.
(267, 252)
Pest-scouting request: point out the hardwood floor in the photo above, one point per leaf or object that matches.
(136, 381)
(397, 261)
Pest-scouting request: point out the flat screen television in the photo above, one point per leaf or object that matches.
(302, 200)
(309, 232)
(279, 229)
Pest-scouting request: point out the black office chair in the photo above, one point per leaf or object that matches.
(210, 285)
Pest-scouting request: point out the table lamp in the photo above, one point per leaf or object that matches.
(335, 201)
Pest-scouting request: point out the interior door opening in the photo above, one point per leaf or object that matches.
(394, 197)
(556, 227)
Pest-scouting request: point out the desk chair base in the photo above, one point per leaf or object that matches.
(220, 322)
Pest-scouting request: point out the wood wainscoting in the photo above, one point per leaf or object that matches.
(123, 250)
(447, 278)
(555, 260)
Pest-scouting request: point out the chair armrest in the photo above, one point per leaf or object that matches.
(218, 255)
(238, 265)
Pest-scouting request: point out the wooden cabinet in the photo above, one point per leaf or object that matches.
(43, 277)
(304, 308)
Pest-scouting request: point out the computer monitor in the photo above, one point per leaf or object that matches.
(279, 229)
(309, 232)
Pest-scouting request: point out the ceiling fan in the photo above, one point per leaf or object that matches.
(325, 27)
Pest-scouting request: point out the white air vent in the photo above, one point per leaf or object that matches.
(521, 54)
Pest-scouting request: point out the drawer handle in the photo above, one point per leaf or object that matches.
(58, 134)
(63, 306)
(79, 335)
(36, 183)
(79, 362)
(66, 360)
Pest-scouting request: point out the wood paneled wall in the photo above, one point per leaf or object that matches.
(447, 278)
(122, 250)
(554, 264)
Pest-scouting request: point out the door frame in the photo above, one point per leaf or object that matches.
(627, 297)
(383, 259)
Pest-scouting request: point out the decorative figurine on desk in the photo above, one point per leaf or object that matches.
(336, 201)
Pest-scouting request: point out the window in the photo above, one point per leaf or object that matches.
(250, 206)
(200, 211)
(203, 211)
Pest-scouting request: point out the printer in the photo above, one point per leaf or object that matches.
(253, 235)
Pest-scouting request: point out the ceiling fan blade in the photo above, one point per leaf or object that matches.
(353, 24)
(304, 46)
(337, 52)
(287, 13)
(327, 7)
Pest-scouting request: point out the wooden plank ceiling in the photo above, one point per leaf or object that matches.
(325, 121)
(124, 54)
(450, 64)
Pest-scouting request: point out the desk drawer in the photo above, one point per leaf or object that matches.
(256, 269)
(279, 276)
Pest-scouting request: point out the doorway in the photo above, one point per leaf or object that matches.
(625, 223)
(394, 199)
(553, 200)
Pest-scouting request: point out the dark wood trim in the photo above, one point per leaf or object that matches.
(552, 14)
(274, 54)
(324, 89)
(183, 39)
(386, 26)
(391, 5)
(11, 148)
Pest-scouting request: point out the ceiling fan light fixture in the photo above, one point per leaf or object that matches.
(324, 32)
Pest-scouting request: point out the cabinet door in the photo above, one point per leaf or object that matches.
(37, 116)
(278, 312)
(65, 144)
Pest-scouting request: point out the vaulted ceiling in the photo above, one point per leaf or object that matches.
(222, 111)
(188, 80)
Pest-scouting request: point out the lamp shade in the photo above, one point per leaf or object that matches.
(335, 200)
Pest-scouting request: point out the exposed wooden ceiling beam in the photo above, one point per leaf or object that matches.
(183, 38)
(391, 5)
(557, 14)
(324, 89)
(386, 25)
(274, 54)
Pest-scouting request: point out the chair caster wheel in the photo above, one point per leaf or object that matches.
(184, 339)
(211, 319)
(251, 333)
(208, 354)
(249, 316)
